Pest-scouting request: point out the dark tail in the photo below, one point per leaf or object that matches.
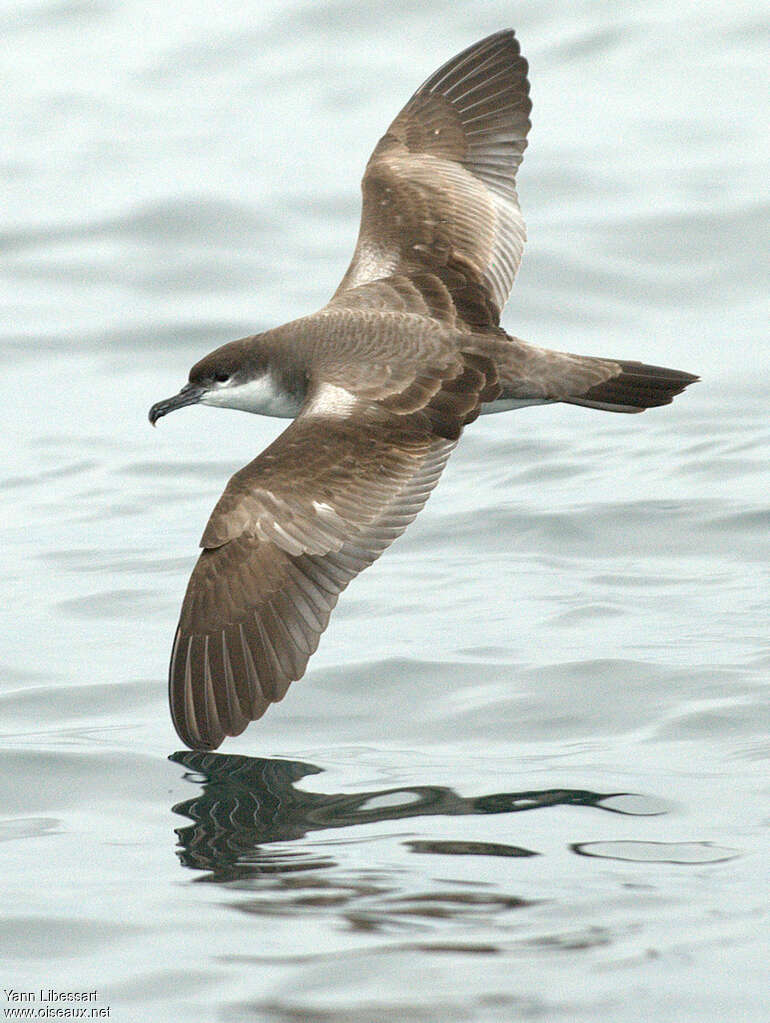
(636, 388)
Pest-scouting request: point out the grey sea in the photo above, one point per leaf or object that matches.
(526, 776)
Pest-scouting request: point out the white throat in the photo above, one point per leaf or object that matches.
(260, 396)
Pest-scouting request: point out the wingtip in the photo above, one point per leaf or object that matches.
(189, 700)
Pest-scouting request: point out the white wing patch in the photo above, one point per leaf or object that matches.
(330, 400)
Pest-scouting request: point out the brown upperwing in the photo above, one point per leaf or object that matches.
(439, 195)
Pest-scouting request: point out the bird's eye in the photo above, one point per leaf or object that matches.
(221, 377)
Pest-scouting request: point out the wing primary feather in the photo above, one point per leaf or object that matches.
(260, 700)
(214, 731)
(269, 670)
(237, 717)
(241, 672)
(190, 720)
(458, 66)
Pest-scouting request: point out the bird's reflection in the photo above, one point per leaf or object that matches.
(246, 804)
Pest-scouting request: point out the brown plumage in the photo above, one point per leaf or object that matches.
(380, 384)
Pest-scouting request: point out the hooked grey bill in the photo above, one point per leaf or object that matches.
(380, 384)
(190, 394)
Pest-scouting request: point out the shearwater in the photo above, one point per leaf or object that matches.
(379, 384)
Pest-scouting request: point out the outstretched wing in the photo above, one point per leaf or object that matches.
(439, 193)
(281, 545)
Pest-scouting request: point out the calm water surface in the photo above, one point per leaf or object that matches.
(527, 774)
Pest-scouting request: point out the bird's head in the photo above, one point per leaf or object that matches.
(237, 375)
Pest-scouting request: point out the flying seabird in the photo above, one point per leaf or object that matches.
(379, 385)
